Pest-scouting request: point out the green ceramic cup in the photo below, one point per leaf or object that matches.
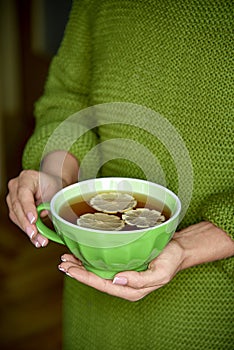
(108, 252)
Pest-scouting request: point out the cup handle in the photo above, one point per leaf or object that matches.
(43, 229)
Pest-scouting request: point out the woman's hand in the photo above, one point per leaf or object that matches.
(129, 285)
(197, 244)
(27, 191)
(30, 188)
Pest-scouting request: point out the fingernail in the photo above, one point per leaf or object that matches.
(63, 259)
(30, 232)
(68, 274)
(61, 268)
(37, 245)
(42, 241)
(120, 280)
(31, 218)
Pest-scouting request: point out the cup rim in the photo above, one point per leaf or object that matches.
(85, 229)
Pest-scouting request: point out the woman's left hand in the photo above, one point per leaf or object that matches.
(129, 285)
(199, 243)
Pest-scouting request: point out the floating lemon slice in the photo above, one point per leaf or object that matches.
(143, 217)
(113, 202)
(101, 221)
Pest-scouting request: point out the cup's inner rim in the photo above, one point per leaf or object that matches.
(82, 183)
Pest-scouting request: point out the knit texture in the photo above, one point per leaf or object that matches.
(175, 58)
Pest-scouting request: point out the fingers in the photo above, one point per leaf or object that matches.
(74, 268)
(77, 271)
(130, 285)
(133, 279)
(21, 203)
(70, 258)
(28, 186)
(152, 278)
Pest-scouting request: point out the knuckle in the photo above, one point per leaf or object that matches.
(8, 200)
(27, 173)
(139, 282)
(11, 184)
(15, 205)
(24, 173)
(21, 191)
(138, 285)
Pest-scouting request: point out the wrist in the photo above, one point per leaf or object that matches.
(202, 243)
(62, 165)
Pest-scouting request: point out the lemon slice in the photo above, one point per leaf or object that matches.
(113, 202)
(143, 217)
(101, 221)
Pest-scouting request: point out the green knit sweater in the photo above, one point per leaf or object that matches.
(173, 58)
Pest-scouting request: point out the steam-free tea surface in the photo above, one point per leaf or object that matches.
(72, 210)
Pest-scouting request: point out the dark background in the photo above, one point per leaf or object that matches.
(31, 285)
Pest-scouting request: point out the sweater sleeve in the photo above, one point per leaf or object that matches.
(219, 209)
(66, 93)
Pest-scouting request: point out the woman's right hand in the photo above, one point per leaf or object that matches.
(26, 191)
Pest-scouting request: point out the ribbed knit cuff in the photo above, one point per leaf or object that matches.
(219, 209)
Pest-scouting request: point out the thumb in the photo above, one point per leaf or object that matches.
(137, 280)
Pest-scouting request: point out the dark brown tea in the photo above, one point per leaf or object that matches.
(73, 209)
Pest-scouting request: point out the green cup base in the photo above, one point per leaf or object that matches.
(108, 274)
